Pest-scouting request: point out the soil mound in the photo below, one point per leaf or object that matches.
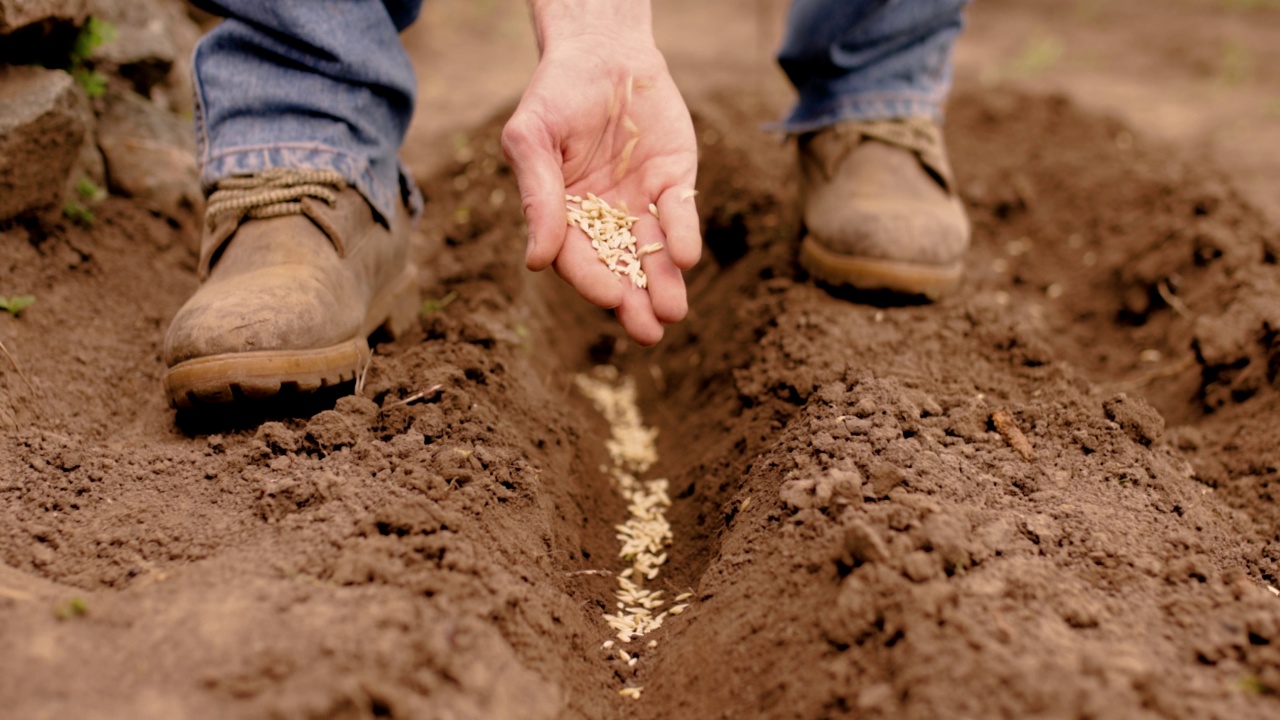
(1036, 498)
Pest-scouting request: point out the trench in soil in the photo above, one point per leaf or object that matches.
(860, 537)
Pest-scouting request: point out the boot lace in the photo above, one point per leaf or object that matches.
(274, 193)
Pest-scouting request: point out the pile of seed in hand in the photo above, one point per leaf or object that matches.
(609, 230)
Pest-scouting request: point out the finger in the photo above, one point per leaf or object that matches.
(678, 214)
(578, 265)
(666, 287)
(637, 318)
(535, 157)
(666, 284)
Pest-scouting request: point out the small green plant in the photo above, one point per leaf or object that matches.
(1040, 56)
(438, 304)
(78, 213)
(95, 33)
(16, 304)
(75, 607)
(1255, 685)
(92, 82)
(1237, 66)
(90, 191)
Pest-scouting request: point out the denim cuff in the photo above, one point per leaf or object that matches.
(809, 116)
(382, 193)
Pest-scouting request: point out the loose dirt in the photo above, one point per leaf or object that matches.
(1047, 496)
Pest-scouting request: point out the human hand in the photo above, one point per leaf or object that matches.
(602, 115)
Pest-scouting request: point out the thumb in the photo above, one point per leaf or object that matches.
(534, 155)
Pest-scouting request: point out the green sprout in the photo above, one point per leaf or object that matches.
(438, 304)
(95, 33)
(1255, 685)
(90, 191)
(79, 214)
(1237, 64)
(16, 304)
(1040, 56)
(75, 607)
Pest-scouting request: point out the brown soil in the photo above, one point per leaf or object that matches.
(1047, 496)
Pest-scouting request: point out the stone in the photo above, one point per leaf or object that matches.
(18, 14)
(150, 154)
(153, 44)
(44, 119)
(1141, 422)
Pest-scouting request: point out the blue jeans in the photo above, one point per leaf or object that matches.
(326, 83)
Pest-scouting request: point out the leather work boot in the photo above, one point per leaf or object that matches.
(880, 208)
(297, 272)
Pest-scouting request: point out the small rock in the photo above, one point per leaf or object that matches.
(920, 566)
(884, 477)
(1140, 421)
(17, 14)
(150, 154)
(861, 545)
(44, 118)
(154, 43)
(143, 51)
(805, 493)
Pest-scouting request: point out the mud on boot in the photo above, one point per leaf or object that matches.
(298, 270)
(880, 208)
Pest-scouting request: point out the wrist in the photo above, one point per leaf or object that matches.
(555, 21)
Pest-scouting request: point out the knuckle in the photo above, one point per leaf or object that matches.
(517, 134)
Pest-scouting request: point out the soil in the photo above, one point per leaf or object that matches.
(1049, 495)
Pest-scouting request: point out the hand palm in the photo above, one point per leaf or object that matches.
(621, 131)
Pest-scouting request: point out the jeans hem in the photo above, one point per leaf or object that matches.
(881, 106)
(355, 170)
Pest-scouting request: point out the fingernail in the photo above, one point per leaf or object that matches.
(530, 247)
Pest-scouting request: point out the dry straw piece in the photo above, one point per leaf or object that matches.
(646, 534)
(609, 230)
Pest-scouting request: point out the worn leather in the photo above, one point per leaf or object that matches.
(295, 282)
(883, 191)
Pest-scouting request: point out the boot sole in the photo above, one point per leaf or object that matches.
(229, 377)
(931, 281)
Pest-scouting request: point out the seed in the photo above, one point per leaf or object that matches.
(631, 692)
(653, 209)
(623, 654)
(608, 644)
(609, 230)
(683, 596)
(632, 662)
(653, 644)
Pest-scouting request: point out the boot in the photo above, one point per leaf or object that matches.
(880, 208)
(297, 271)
